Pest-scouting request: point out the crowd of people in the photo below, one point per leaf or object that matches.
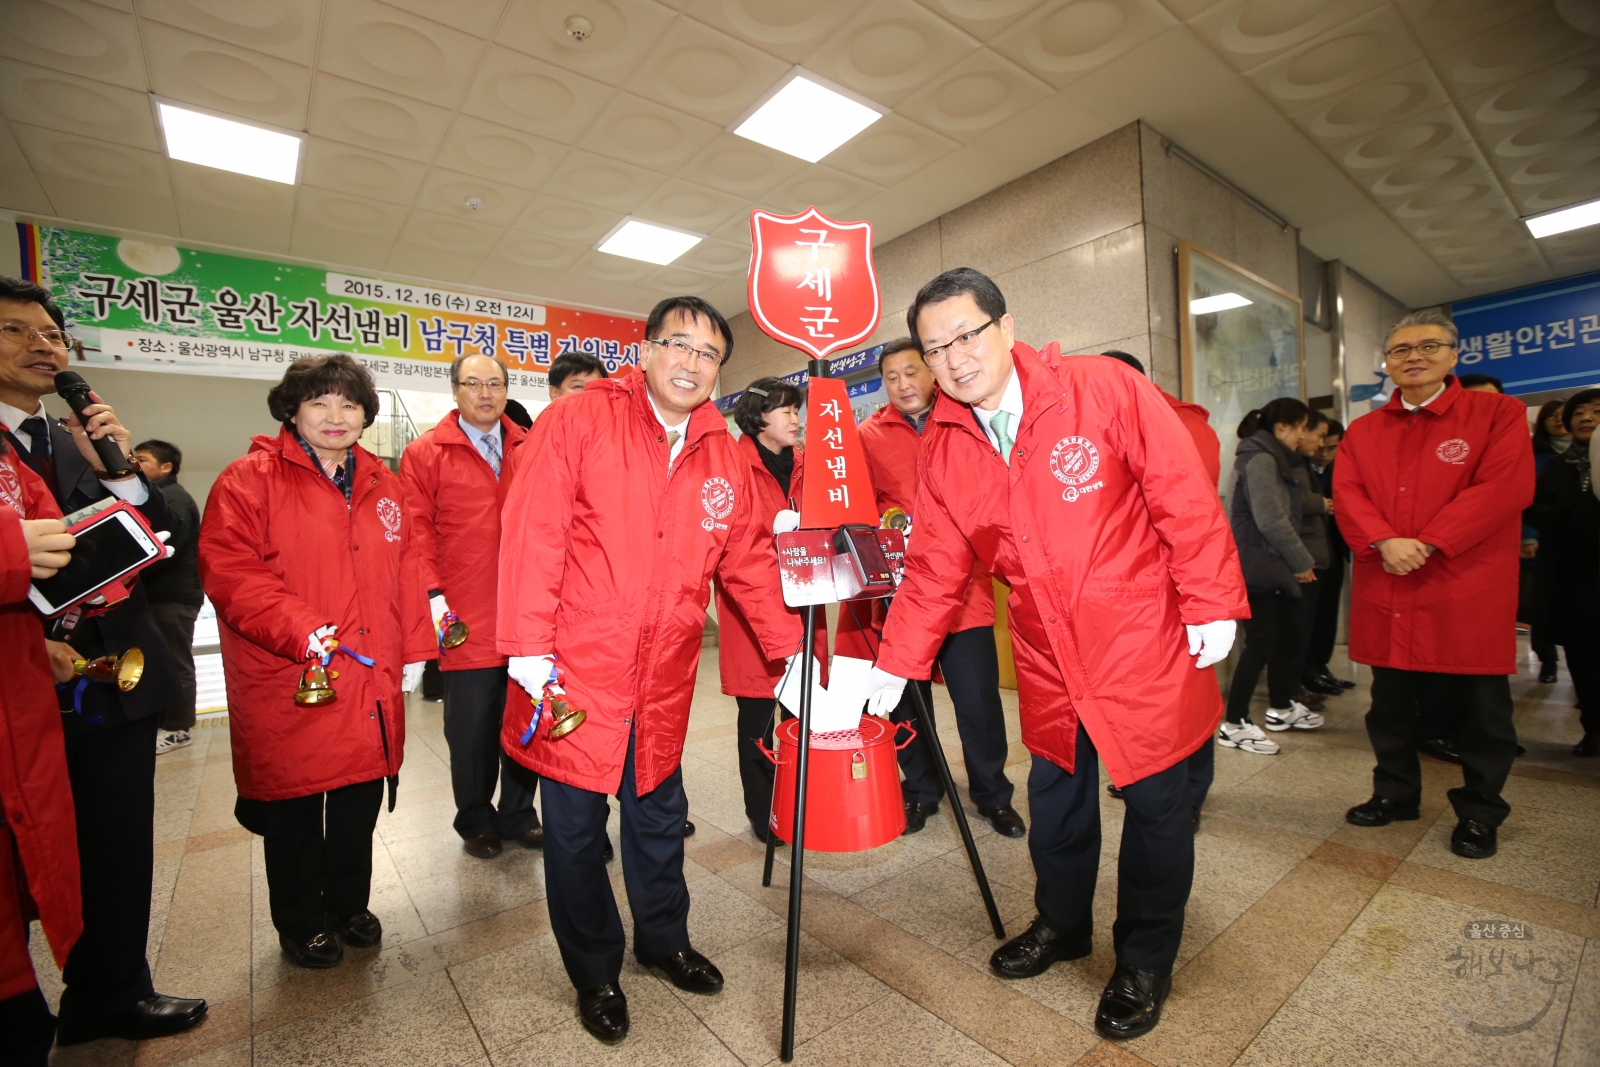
(559, 570)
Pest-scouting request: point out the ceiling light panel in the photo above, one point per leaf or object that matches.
(212, 140)
(651, 242)
(1575, 217)
(807, 116)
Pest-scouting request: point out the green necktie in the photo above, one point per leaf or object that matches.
(1001, 422)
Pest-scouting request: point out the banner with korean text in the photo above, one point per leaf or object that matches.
(142, 306)
(1541, 338)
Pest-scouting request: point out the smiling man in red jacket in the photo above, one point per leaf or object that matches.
(451, 477)
(630, 496)
(1073, 482)
(1431, 488)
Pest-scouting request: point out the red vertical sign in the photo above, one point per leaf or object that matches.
(838, 488)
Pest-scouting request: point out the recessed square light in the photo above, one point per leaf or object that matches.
(196, 135)
(807, 116)
(652, 242)
(1221, 302)
(1561, 220)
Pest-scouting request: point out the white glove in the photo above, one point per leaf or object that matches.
(884, 692)
(438, 609)
(164, 536)
(411, 676)
(784, 521)
(1211, 641)
(318, 644)
(532, 672)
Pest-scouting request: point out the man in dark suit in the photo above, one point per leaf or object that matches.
(110, 735)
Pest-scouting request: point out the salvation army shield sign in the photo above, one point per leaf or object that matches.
(811, 284)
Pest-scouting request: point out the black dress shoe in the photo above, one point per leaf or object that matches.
(690, 971)
(609, 853)
(1113, 792)
(362, 931)
(1380, 811)
(155, 1016)
(1325, 686)
(1547, 674)
(1588, 748)
(319, 951)
(1035, 949)
(604, 1012)
(688, 828)
(532, 838)
(1131, 1002)
(1474, 840)
(483, 846)
(1440, 748)
(760, 830)
(1005, 820)
(917, 815)
(1314, 701)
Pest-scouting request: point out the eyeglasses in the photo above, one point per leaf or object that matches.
(473, 385)
(963, 343)
(684, 349)
(1426, 348)
(21, 335)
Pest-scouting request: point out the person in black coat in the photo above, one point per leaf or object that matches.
(1567, 568)
(173, 587)
(110, 735)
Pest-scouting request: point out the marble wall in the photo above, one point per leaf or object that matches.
(1365, 316)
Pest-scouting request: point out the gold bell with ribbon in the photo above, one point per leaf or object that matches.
(125, 669)
(895, 519)
(315, 689)
(564, 718)
(452, 631)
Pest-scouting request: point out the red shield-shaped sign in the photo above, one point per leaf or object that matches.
(812, 285)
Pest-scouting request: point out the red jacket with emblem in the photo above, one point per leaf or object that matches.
(281, 555)
(1455, 475)
(453, 508)
(1197, 420)
(1111, 540)
(606, 559)
(35, 794)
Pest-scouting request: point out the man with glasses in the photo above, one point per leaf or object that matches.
(110, 735)
(631, 496)
(1072, 481)
(1431, 489)
(452, 476)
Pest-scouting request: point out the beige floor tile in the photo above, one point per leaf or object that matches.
(939, 902)
(205, 944)
(1580, 1038)
(894, 1032)
(1299, 1038)
(515, 992)
(421, 1023)
(1540, 851)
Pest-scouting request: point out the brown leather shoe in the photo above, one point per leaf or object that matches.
(483, 846)
(533, 838)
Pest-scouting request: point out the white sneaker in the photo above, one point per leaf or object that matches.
(1296, 715)
(1247, 737)
(166, 742)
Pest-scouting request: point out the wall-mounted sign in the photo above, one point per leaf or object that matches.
(141, 306)
(811, 281)
(1535, 339)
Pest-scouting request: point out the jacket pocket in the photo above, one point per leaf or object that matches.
(1128, 634)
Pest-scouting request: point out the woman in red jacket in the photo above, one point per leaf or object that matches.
(300, 551)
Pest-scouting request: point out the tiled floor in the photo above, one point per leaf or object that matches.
(1308, 941)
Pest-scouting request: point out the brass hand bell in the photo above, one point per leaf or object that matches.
(453, 634)
(125, 670)
(895, 519)
(564, 718)
(314, 689)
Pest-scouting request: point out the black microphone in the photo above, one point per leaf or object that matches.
(71, 387)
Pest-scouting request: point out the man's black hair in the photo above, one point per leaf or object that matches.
(759, 397)
(518, 414)
(1469, 380)
(961, 281)
(164, 452)
(1132, 361)
(569, 363)
(694, 308)
(314, 376)
(1335, 429)
(26, 292)
(897, 346)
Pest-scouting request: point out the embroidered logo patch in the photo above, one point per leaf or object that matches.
(389, 515)
(1074, 460)
(1453, 451)
(11, 490)
(717, 497)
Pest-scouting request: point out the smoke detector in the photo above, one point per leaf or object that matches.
(579, 28)
(474, 203)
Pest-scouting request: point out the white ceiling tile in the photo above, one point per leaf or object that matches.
(1411, 138)
(1063, 40)
(430, 263)
(1048, 130)
(536, 250)
(194, 184)
(889, 150)
(67, 102)
(529, 94)
(236, 229)
(375, 118)
(477, 17)
(339, 247)
(1404, 181)
(1441, 23)
(515, 278)
(609, 268)
(974, 96)
(69, 155)
(74, 35)
(449, 233)
(552, 216)
(788, 29)
(1410, 90)
(325, 209)
(982, 18)
(736, 165)
(1570, 86)
(1540, 171)
(1477, 191)
(283, 28)
(127, 209)
(602, 182)
(678, 280)
(690, 207)
(890, 49)
(624, 32)
(829, 191)
(361, 172)
(500, 152)
(446, 191)
(1528, 44)
(736, 231)
(704, 72)
(1517, 143)
(1355, 52)
(718, 257)
(224, 77)
(647, 133)
(375, 44)
(19, 186)
(1248, 33)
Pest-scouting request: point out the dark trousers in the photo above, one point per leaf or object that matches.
(1155, 867)
(1537, 616)
(972, 675)
(319, 854)
(756, 771)
(474, 707)
(113, 773)
(1486, 738)
(1271, 640)
(583, 911)
(1583, 663)
(1202, 770)
(177, 626)
(1324, 629)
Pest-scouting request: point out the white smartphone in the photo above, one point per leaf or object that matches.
(108, 548)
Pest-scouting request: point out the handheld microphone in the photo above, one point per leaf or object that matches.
(71, 387)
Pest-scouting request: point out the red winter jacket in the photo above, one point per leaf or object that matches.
(1111, 540)
(1456, 475)
(453, 506)
(746, 670)
(35, 794)
(280, 556)
(1197, 420)
(606, 560)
